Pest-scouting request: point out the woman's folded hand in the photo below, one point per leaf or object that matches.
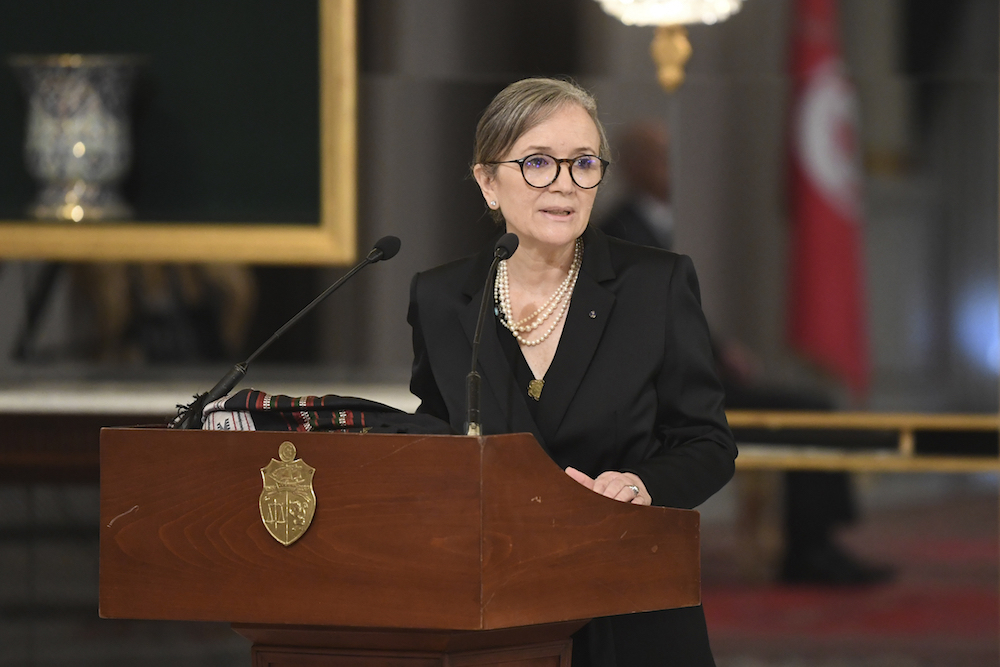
(623, 486)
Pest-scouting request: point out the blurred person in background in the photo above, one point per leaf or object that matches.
(815, 503)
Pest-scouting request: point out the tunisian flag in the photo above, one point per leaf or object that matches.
(826, 303)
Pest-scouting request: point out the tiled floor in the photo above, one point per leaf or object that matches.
(85, 640)
(48, 594)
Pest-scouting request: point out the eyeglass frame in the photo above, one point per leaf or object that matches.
(558, 161)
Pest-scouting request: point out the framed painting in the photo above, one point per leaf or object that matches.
(328, 238)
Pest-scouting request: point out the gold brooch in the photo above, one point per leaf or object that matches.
(535, 388)
(288, 502)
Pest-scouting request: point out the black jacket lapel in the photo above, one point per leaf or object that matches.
(585, 321)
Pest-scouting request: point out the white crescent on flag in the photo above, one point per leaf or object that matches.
(826, 132)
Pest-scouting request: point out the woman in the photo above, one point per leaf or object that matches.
(600, 348)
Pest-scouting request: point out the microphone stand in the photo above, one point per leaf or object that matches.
(504, 248)
(189, 416)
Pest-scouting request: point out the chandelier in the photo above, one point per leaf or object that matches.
(671, 48)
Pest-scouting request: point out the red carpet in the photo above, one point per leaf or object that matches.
(896, 611)
(941, 610)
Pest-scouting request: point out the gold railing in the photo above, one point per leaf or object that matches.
(905, 426)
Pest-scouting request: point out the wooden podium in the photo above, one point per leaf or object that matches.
(424, 550)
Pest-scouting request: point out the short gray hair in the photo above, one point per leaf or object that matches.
(520, 107)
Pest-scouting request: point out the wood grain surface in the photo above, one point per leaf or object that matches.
(556, 551)
(429, 532)
(394, 542)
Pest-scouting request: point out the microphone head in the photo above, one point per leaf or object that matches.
(506, 246)
(385, 248)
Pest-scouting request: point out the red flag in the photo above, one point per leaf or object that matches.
(826, 305)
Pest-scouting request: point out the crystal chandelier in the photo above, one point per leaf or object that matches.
(670, 48)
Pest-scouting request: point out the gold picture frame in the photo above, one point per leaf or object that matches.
(331, 241)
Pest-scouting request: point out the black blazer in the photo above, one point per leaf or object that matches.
(632, 385)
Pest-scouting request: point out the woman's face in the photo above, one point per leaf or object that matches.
(553, 216)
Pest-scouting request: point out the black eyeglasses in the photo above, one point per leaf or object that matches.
(541, 171)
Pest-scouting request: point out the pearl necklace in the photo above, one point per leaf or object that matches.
(559, 299)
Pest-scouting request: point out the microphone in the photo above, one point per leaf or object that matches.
(504, 248)
(189, 416)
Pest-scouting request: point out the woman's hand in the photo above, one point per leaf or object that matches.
(614, 484)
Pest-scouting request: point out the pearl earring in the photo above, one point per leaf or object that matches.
(493, 204)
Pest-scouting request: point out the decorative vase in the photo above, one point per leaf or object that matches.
(78, 144)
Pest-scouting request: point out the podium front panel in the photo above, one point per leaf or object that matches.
(554, 550)
(395, 540)
(409, 532)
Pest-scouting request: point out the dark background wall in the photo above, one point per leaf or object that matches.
(926, 72)
(226, 108)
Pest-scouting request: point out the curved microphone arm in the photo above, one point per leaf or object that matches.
(190, 416)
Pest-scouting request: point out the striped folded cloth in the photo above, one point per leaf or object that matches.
(253, 410)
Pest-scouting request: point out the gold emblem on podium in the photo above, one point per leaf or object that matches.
(288, 502)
